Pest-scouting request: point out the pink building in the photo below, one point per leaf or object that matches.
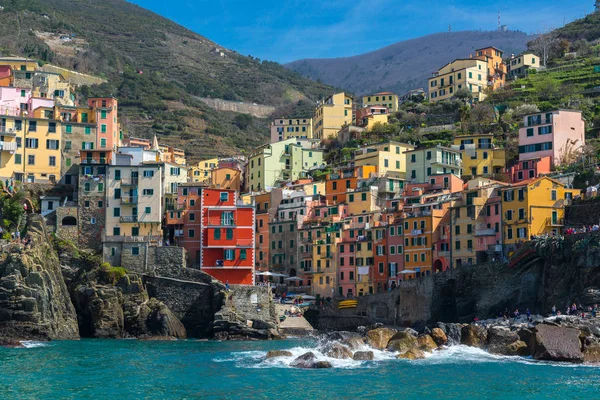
(14, 101)
(559, 134)
(106, 109)
(395, 251)
(530, 169)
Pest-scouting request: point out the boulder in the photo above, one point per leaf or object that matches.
(363, 356)
(412, 354)
(160, 321)
(591, 354)
(336, 350)
(278, 353)
(411, 331)
(499, 337)
(402, 342)
(439, 336)
(380, 337)
(306, 360)
(322, 364)
(426, 343)
(474, 335)
(518, 348)
(453, 333)
(355, 343)
(556, 344)
(525, 334)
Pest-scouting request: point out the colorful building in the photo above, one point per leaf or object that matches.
(530, 169)
(496, 68)
(201, 171)
(389, 158)
(367, 117)
(226, 178)
(480, 156)
(109, 135)
(531, 208)
(559, 134)
(340, 182)
(519, 66)
(385, 99)
(331, 115)
(287, 128)
(424, 163)
(463, 73)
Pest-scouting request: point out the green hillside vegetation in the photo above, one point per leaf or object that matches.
(156, 68)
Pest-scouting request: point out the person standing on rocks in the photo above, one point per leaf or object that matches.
(528, 315)
(517, 314)
(554, 310)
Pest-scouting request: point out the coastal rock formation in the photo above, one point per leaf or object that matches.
(34, 300)
(379, 338)
(591, 354)
(426, 343)
(402, 342)
(363, 356)
(412, 354)
(355, 343)
(454, 333)
(336, 350)
(439, 336)
(556, 344)
(499, 338)
(474, 335)
(306, 360)
(278, 353)
(518, 348)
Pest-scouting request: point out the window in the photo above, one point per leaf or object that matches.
(521, 213)
(117, 193)
(135, 251)
(469, 244)
(229, 234)
(553, 195)
(509, 215)
(148, 192)
(103, 128)
(32, 126)
(52, 161)
(529, 132)
(135, 231)
(103, 114)
(509, 233)
(423, 257)
(148, 210)
(224, 196)
(217, 234)
(243, 254)
(191, 233)
(102, 142)
(148, 173)
(31, 143)
(87, 130)
(457, 245)
(30, 160)
(229, 254)
(100, 204)
(116, 212)
(18, 159)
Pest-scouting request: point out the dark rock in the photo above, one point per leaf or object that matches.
(278, 353)
(322, 364)
(498, 339)
(474, 335)
(556, 344)
(402, 342)
(411, 331)
(454, 334)
(441, 326)
(525, 334)
(157, 338)
(306, 360)
(363, 356)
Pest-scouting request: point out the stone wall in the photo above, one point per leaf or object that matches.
(68, 232)
(586, 213)
(194, 303)
(73, 77)
(252, 302)
(257, 110)
(149, 259)
(92, 208)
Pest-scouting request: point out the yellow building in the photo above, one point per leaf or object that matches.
(422, 231)
(50, 85)
(226, 178)
(331, 115)
(134, 197)
(20, 63)
(480, 157)
(520, 65)
(388, 157)
(362, 200)
(533, 207)
(201, 172)
(30, 147)
(387, 99)
(285, 128)
(463, 73)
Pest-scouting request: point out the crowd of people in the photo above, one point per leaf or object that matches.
(580, 311)
(583, 229)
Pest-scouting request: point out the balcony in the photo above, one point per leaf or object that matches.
(129, 181)
(445, 253)
(7, 132)
(446, 161)
(101, 160)
(127, 239)
(555, 222)
(8, 146)
(131, 218)
(129, 200)
(485, 232)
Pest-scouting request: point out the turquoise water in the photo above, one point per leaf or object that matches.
(131, 369)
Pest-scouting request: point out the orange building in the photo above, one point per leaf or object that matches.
(495, 64)
(108, 133)
(6, 76)
(226, 178)
(338, 183)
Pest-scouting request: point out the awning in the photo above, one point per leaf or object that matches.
(363, 270)
(407, 271)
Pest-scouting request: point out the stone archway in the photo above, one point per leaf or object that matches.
(69, 221)
(438, 266)
(292, 272)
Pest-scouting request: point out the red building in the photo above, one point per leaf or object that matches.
(216, 230)
(530, 169)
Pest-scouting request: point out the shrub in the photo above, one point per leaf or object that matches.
(112, 274)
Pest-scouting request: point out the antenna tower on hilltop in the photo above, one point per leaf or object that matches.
(499, 25)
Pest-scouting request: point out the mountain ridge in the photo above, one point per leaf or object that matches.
(405, 65)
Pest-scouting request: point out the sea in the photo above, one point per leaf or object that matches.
(190, 369)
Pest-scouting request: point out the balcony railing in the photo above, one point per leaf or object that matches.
(129, 181)
(131, 218)
(101, 160)
(555, 222)
(8, 146)
(120, 239)
(129, 200)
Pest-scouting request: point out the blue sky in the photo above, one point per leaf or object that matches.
(288, 30)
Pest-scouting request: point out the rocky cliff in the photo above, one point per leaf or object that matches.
(34, 300)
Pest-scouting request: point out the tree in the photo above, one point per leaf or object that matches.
(464, 95)
(243, 121)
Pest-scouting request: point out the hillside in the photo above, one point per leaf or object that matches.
(156, 68)
(405, 65)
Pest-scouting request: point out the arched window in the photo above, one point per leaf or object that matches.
(69, 221)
